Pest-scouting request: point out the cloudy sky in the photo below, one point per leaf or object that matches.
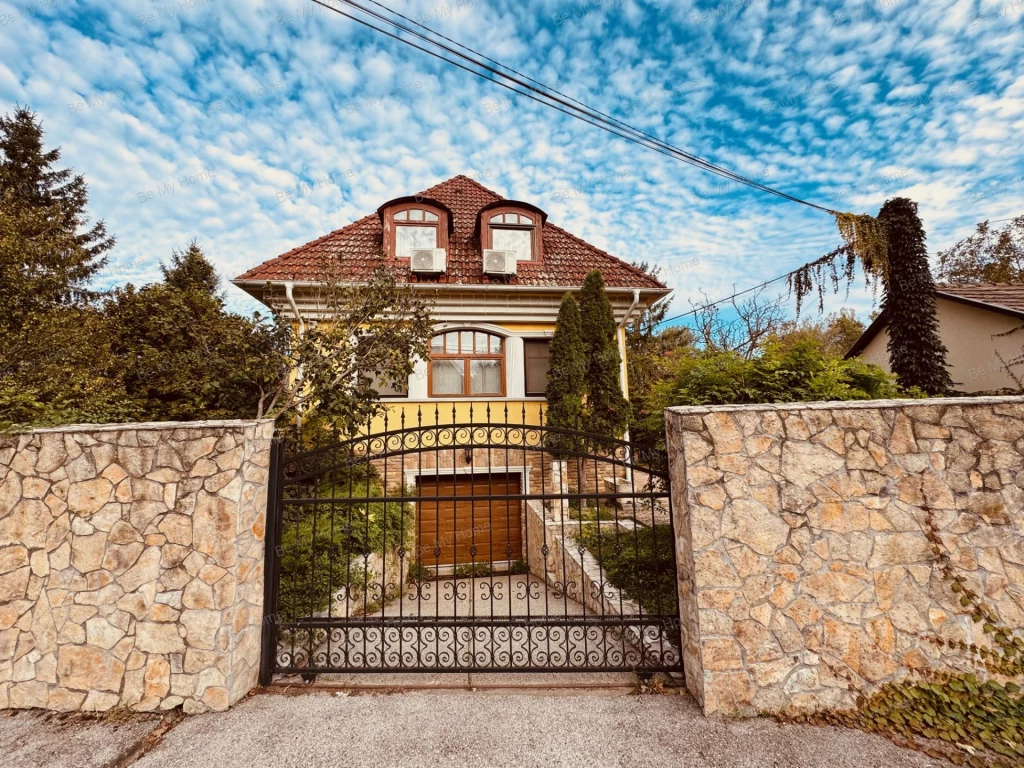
(256, 125)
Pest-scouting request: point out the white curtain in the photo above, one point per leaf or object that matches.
(485, 377)
(448, 377)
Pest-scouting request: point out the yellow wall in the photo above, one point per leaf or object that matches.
(441, 412)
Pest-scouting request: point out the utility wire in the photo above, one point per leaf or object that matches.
(758, 287)
(542, 94)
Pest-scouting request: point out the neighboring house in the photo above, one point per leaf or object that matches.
(975, 324)
(496, 271)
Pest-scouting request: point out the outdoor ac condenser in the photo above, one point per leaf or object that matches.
(427, 261)
(499, 262)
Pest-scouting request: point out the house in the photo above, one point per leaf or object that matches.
(979, 325)
(496, 271)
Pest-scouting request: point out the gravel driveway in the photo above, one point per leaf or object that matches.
(493, 730)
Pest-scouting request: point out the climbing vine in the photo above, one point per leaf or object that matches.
(864, 242)
(955, 715)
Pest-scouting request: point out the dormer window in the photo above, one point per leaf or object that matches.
(513, 229)
(413, 224)
(415, 228)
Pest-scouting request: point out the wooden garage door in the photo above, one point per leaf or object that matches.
(492, 525)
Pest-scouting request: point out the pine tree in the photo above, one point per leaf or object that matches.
(51, 338)
(190, 270)
(568, 365)
(916, 353)
(49, 204)
(606, 409)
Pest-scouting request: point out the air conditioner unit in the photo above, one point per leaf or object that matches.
(427, 260)
(499, 262)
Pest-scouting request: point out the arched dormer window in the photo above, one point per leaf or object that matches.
(513, 227)
(466, 363)
(414, 224)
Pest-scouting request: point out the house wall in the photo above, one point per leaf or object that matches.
(131, 565)
(974, 346)
(805, 573)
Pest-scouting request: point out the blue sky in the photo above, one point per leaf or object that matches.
(256, 125)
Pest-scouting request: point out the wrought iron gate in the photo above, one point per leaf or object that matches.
(467, 547)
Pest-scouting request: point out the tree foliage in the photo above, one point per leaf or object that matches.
(168, 350)
(916, 353)
(989, 255)
(567, 368)
(52, 365)
(179, 355)
(367, 332)
(890, 249)
(606, 409)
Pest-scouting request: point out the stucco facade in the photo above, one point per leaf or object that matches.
(976, 346)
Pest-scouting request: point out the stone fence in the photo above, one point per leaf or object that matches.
(131, 565)
(805, 573)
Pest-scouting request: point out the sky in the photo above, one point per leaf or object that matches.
(253, 126)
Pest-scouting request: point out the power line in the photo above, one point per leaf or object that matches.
(536, 91)
(787, 274)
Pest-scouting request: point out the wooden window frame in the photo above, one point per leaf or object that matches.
(467, 358)
(391, 225)
(526, 365)
(535, 228)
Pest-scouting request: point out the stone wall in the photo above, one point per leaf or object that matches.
(131, 565)
(805, 573)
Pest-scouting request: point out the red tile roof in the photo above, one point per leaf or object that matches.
(1001, 295)
(357, 249)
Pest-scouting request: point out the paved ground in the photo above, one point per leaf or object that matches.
(436, 729)
(30, 739)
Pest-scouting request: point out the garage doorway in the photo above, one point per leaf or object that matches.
(479, 525)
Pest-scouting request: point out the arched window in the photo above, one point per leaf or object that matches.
(414, 226)
(510, 229)
(467, 363)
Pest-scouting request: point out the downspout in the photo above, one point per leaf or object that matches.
(289, 288)
(625, 319)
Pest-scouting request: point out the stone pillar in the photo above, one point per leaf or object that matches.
(131, 565)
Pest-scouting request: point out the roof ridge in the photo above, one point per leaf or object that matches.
(470, 179)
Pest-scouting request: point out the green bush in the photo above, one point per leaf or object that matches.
(639, 562)
(785, 371)
(323, 545)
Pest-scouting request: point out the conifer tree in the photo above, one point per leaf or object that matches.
(568, 365)
(49, 204)
(606, 409)
(916, 353)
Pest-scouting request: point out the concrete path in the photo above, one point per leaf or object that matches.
(493, 730)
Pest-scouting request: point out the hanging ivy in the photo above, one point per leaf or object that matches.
(865, 243)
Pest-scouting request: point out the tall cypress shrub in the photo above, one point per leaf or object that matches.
(567, 368)
(606, 409)
(916, 353)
